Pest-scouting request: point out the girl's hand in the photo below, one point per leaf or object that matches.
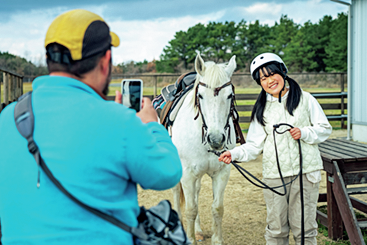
(225, 157)
(295, 133)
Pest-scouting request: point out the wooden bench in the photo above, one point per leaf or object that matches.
(346, 164)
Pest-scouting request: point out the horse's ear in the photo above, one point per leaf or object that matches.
(199, 65)
(231, 65)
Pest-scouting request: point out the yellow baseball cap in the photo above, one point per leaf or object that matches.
(82, 32)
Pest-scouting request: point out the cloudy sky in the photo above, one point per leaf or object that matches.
(145, 26)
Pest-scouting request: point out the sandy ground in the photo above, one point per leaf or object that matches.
(244, 217)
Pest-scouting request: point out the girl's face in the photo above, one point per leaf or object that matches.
(272, 83)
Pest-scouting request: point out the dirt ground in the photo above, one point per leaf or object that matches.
(244, 217)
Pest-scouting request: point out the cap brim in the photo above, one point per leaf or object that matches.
(115, 40)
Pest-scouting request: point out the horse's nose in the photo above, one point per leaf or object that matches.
(216, 141)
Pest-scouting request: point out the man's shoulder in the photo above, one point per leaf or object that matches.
(8, 111)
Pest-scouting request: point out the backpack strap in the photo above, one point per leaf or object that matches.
(24, 120)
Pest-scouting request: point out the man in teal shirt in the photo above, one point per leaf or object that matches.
(99, 150)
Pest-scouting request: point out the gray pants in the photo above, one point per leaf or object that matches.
(284, 212)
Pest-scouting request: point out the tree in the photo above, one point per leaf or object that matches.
(20, 65)
(174, 53)
(250, 41)
(197, 38)
(280, 35)
(336, 50)
(319, 38)
(299, 53)
(221, 39)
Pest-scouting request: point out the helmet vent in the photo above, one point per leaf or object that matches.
(262, 57)
(254, 62)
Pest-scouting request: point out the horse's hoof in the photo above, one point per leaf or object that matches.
(199, 236)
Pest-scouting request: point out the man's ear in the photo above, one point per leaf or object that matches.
(105, 62)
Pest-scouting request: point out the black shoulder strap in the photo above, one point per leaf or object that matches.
(24, 120)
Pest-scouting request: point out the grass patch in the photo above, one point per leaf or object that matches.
(345, 240)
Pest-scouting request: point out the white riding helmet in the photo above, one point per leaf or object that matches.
(263, 59)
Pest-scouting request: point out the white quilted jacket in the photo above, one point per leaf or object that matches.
(288, 152)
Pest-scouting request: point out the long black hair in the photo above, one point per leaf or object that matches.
(294, 95)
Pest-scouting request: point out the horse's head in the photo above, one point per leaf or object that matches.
(214, 98)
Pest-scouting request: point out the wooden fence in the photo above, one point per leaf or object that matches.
(244, 80)
(327, 80)
(13, 87)
(342, 106)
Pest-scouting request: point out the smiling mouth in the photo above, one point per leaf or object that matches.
(273, 86)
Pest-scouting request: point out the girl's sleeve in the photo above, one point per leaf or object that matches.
(320, 128)
(254, 144)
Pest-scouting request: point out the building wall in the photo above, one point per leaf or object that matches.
(359, 69)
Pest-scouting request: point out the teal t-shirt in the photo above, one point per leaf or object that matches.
(99, 150)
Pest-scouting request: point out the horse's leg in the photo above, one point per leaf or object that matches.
(188, 182)
(219, 182)
(198, 231)
(176, 199)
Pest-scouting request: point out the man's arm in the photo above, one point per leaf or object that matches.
(155, 163)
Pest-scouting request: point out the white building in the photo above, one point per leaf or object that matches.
(357, 68)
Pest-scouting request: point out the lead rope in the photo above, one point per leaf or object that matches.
(265, 186)
(300, 176)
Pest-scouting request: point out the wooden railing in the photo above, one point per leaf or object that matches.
(13, 87)
(325, 106)
(329, 106)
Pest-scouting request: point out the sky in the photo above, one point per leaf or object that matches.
(145, 26)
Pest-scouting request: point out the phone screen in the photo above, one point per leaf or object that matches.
(132, 91)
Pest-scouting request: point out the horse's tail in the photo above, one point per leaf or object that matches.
(182, 197)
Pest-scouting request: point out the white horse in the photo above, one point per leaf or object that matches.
(203, 123)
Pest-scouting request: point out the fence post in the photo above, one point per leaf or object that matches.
(155, 85)
(17, 87)
(6, 88)
(21, 85)
(14, 87)
(10, 89)
(3, 74)
(342, 98)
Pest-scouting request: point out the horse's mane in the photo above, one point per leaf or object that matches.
(215, 75)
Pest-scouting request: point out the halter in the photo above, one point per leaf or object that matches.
(197, 103)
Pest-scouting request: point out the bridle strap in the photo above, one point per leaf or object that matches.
(229, 115)
(216, 90)
(197, 103)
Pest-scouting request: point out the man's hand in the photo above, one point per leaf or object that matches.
(295, 133)
(147, 112)
(225, 157)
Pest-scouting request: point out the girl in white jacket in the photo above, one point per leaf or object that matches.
(281, 103)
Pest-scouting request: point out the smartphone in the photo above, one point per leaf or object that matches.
(132, 93)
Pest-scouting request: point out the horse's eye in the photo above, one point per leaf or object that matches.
(200, 97)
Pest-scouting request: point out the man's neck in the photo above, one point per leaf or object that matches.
(65, 74)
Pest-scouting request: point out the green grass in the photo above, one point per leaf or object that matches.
(345, 240)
